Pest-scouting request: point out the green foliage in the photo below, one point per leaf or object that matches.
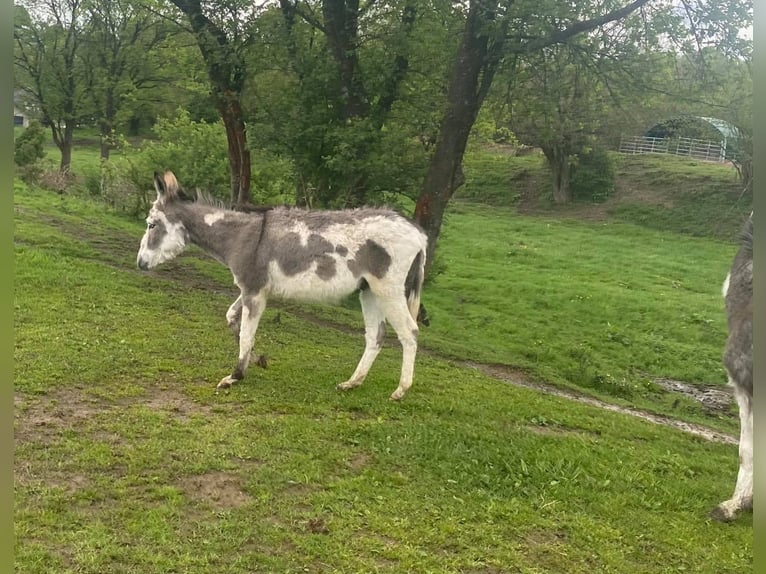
(488, 128)
(194, 151)
(592, 176)
(273, 178)
(685, 127)
(29, 147)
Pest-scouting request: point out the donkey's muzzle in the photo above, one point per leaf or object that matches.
(142, 265)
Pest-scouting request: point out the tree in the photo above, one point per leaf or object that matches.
(345, 64)
(555, 107)
(48, 66)
(224, 31)
(559, 98)
(493, 31)
(120, 37)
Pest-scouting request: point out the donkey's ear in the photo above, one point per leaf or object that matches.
(166, 184)
(159, 184)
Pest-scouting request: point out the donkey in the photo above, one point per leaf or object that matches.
(738, 361)
(304, 255)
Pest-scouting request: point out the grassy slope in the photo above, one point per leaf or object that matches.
(127, 462)
(661, 192)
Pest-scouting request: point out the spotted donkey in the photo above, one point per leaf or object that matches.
(738, 360)
(305, 255)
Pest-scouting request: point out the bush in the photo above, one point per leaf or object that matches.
(592, 176)
(197, 152)
(29, 147)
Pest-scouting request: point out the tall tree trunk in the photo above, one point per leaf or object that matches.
(470, 79)
(341, 24)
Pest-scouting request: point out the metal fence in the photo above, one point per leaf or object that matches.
(699, 149)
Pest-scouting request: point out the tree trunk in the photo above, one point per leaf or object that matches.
(63, 135)
(470, 78)
(239, 154)
(66, 157)
(558, 162)
(107, 123)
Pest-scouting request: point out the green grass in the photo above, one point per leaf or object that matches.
(126, 461)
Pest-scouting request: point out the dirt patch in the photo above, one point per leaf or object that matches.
(42, 419)
(713, 398)
(175, 403)
(317, 525)
(221, 489)
(359, 461)
(544, 537)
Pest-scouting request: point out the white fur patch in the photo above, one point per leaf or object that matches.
(213, 218)
(725, 288)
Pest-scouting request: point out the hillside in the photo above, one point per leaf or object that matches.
(127, 461)
(661, 192)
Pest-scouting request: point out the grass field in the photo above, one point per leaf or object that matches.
(127, 461)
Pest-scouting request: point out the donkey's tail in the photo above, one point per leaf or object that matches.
(413, 286)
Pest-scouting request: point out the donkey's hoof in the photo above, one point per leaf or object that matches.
(348, 385)
(397, 394)
(226, 383)
(722, 514)
(729, 509)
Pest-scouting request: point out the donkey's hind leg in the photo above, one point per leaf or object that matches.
(234, 316)
(374, 334)
(398, 314)
(252, 309)
(742, 499)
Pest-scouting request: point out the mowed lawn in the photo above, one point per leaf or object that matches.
(127, 461)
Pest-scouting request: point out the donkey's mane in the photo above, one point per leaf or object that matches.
(203, 197)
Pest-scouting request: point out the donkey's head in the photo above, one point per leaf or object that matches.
(165, 236)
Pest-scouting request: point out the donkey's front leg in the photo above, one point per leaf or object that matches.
(252, 309)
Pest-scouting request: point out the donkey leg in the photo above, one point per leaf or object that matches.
(374, 334)
(742, 499)
(398, 314)
(252, 309)
(234, 316)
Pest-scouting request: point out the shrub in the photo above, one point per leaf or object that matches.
(29, 147)
(592, 176)
(195, 151)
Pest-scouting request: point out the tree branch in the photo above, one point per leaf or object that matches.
(562, 36)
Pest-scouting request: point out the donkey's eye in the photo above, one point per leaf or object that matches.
(151, 225)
